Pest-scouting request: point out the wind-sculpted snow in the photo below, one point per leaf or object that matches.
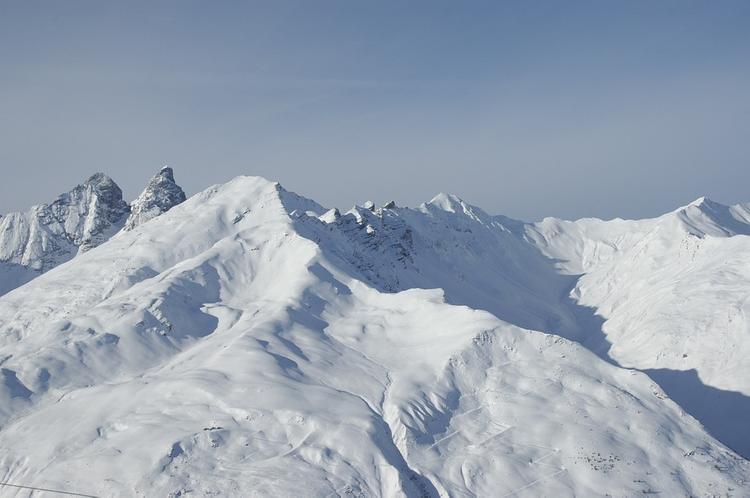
(247, 342)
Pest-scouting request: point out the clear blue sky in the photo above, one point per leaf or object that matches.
(604, 108)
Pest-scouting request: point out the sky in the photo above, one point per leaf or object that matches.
(528, 109)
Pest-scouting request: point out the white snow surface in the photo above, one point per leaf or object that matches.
(248, 342)
(674, 290)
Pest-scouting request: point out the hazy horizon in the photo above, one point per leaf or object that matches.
(586, 109)
(130, 196)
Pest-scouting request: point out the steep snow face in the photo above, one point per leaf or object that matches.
(232, 346)
(665, 295)
(673, 289)
(49, 234)
(704, 217)
(479, 260)
(160, 195)
(673, 293)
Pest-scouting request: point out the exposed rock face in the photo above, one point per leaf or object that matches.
(49, 234)
(161, 195)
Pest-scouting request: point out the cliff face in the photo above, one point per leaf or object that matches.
(49, 234)
(160, 195)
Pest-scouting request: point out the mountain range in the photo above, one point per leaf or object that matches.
(247, 341)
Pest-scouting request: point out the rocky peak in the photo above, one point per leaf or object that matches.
(48, 234)
(160, 195)
(87, 211)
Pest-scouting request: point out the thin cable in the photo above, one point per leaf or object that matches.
(45, 489)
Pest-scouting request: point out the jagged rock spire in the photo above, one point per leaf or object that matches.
(160, 195)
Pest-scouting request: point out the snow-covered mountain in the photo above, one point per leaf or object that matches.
(249, 342)
(675, 296)
(47, 235)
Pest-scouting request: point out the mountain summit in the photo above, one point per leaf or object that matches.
(47, 235)
(160, 195)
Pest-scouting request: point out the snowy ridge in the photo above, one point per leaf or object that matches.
(250, 342)
(705, 217)
(672, 293)
(676, 263)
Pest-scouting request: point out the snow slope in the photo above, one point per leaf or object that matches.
(674, 289)
(667, 295)
(674, 294)
(247, 342)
